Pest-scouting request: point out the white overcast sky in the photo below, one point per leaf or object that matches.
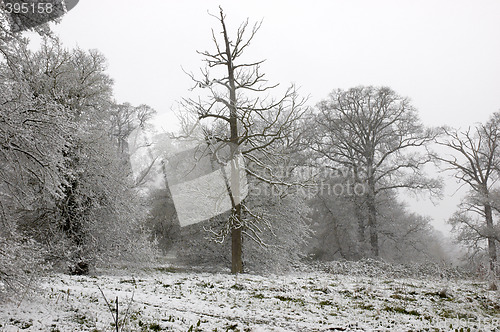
(444, 55)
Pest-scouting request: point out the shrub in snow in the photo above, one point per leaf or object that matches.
(21, 261)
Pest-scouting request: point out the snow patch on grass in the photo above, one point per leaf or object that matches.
(168, 300)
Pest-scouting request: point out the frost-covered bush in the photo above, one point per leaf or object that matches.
(64, 181)
(101, 214)
(21, 260)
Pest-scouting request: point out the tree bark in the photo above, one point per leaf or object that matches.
(492, 249)
(372, 222)
(360, 216)
(372, 217)
(236, 236)
(236, 251)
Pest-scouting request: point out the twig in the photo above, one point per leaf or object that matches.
(115, 319)
(128, 309)
(118, 326)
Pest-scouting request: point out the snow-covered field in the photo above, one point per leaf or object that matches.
(167, 300)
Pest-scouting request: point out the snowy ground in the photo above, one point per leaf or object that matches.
(166, 300)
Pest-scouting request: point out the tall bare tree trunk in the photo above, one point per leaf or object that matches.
(492, 249)
(360, 218)
(372, 222)
(236, 251)
(372, 217)
(236, 238)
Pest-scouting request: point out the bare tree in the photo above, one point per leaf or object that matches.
(124, 118)
(238, 111)
(475, 160)
(377, 135)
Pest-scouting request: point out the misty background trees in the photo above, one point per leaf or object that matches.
(325, 181)
(472, 155)
(375, 135)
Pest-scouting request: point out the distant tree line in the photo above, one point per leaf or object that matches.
(370, 142)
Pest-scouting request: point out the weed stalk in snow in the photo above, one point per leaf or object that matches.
(116, 315)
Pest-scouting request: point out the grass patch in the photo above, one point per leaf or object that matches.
(366, 306)
(346, 292)
(154, 327)
(206, 284)
(323, 290)
(169, 269)
(259, 296)
(238, 287)
(21, 323)
(446, 313)
(129, 281)
(442, 294)
(289, 299)
(401, 310)
(403, 297)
